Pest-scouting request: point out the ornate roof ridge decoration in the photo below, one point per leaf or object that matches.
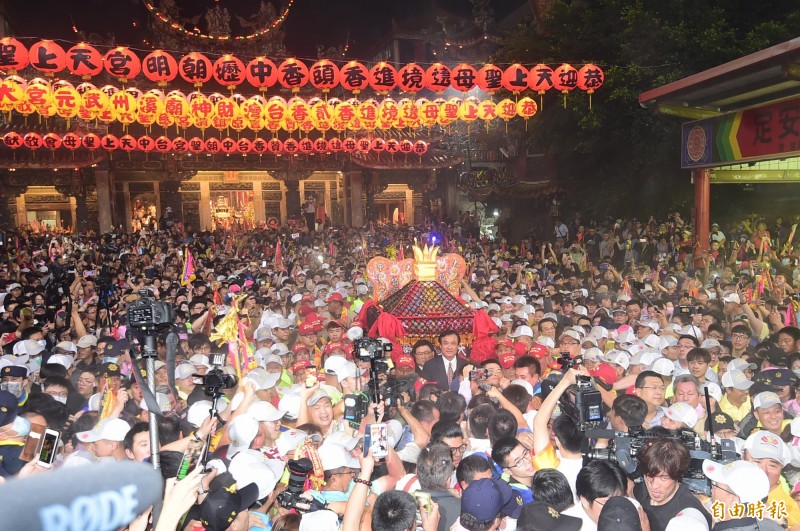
(218, 21)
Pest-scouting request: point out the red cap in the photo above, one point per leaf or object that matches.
(300, 365)
(334, 345)
(507, 360)
(520, 349)
(335, 297)
(305, 328)
(405, 360)
(298, 347)
(538, 351)
(604, 373)
(335, 323)
(307, 298)
(304, 310)
(506, 343)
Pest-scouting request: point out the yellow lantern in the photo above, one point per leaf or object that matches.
(227, 108)
(164, 120)
(468, 111)
(345, 112)
(95, 101)
(506, 109)
(11, 94)
(175, 104)
(527, 107)
(201, 107)
(487, 110)
(67, 101)
(275, 110)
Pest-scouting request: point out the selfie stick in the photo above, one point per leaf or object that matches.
(149, 354)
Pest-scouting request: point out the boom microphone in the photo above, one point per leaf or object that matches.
(101, 497)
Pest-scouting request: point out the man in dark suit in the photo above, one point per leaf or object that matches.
(445, 369)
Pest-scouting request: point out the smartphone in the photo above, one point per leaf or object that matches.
(32, 443)
(424, 505)
(377, 439)
(47, 451)
(478, 374)
(190, 458)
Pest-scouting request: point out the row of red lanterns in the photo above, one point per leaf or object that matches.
(161, 67)
(163, 144)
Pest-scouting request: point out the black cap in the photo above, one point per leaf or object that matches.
(111, 369)
(721, 421)
(15, 371)
(8, 408)
(619, 514)
(542, 517)
(220, 508)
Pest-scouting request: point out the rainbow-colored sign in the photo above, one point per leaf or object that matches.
(754, 134)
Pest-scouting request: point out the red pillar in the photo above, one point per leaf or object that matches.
(702, 207)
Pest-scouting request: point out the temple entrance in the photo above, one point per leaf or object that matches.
(390, 212)
(232, 211)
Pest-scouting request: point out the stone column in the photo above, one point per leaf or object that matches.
(356, 203)
(22, 210)
(293, 199)
(259, 210)
(371, 186)
(102, 178)
(205, 205)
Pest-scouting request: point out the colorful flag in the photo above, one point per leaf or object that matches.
(187, 276)
(278, 256)
(109, 400)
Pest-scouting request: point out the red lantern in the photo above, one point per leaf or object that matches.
(406, 146)
(195, 68)
(90, 141)
(109, 142)
(71, 141)
(212, 145)
(180, 145)
(541, 78)
(378, 144)
(261, 73)
(52, 141)
(32, 140)
(355, 77)
(47, 57)
(324, 75)
(438, 77)
(292, 74)
(84, 60)
(335, 145)
(127, 143)
(244, 145)
(123, 64)
(490, 78)
(163, 144)
(464, 77)
(349, 145)
(515, 78)
(306, 145)
(228, 145)
(14, 55)
(590, 78)
(229, 71)
(411, 78)
(196, 145)
(291, 146)
(275, 146)
(259, 145)
(392, 146)
(12, 140)
(320, 145)
(383, 77)
(145, 143)
(160, 67)
(420, 147)
(565, 78)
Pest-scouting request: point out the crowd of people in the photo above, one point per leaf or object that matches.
(624, 377)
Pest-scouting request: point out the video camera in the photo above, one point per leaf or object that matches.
(368, 349)
(589, 404)
(148, 314)
(214, 381)
(299, 469)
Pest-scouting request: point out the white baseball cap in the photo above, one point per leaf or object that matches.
(249, 466)
(663, 366)
(736, 379)
(652, 325)
(106, 430)
(546, 341)
(241, 430)
(732, 297)
(290, 403)
(666, 342)
(522, 331)
(765, 400)
(618, 357)
(200, 411)
(262, 379)
(745, 479)
(689, 519)
(682, 412)
(289, 441)
(265, 412)
(348, 370)
(764, 444)
(335, 456)
(738, 364)
(200, 360)
(65, 360)
(185, 370)
(598, 332)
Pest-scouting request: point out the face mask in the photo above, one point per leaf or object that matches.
(21, 427)
(785, 261)
(15, 388)
(60, 399)
(796, 371)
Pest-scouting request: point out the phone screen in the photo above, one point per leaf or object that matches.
(47, 453)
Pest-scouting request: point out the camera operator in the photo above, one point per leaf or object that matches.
(564, 453)
(627, 411)
(663, 463)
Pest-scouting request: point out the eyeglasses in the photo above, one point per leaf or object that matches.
(716, 485)
(423, 352)
(655, 388)
(458, 449)
(739, 336)
(568, 343)
(526, 455)
(348, 473)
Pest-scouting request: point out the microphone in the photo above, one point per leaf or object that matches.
(100, 497)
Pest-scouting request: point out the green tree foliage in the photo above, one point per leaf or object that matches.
(620, 157)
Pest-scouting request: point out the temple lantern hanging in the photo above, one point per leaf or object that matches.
(145, 143)
(14, 57)
(195, 68)
(490, 78)
(411, 78)
(52, 141)
(515, 78)
(565, 79)
(32, 140)
(383, 77)
(420, 147)
(48, 57)
(324, 75)
(261, 73)
(160, 67)
(11, 95)
(12, 140)
(84, 60)
(354, 77)
(293, 74)
(590, 78)
(540, 78)
(464, 77)
(527, 108)
(122, 63)
(229, 71)
(335, 144)
(438, 77)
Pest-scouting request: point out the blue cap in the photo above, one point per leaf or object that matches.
(8, 408)
(485, 499)
(15, 371)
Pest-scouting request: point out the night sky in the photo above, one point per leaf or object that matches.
(310, 23)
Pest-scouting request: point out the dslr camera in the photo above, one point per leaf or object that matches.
(299, 469)
(214, 381)
(368, 349)
(148, 313)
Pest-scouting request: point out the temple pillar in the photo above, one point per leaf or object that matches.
(293, 199)
(102, 179)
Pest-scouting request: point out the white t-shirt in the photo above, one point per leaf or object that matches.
(578, 512)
